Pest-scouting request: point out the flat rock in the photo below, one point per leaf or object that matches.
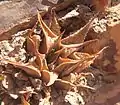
(17, 15)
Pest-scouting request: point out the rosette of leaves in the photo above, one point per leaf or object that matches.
(57, 57)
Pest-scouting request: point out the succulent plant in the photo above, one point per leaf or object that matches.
(57, 57)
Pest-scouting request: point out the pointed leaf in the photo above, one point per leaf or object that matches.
(69, 49)
(56, 45)
(54, 25)
(55, 51)
(49, 36)
(93, 48)
(45, 28)
(41, 61)
(61, 67)
(89, 60)
(69, 70)
(31, 48)
(49, 77)
(79, 36)
(32, 41)
(46, 44)
(24, 102)
(63, 60)
(79, 56)
(36, 39)
(28, 68)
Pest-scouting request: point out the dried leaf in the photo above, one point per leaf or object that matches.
(36, 39)
(45, 28)
(69, 49)
(55, 51)
(70, 69)
(85, 60)
(79, 56)
(63, 60)
(52, 57)
(83, 44)
(65, 85)
(49, 37)
(92, 48)
(32, 41)
(46, 44)
(62, 66)
(100, 53)
(41, 61)
(28, 68)
(89, 60)
(85, 86)
(31, 48)
(56, 45)
(24, 102)
(49, 77)
(79, 36)
(54, 25)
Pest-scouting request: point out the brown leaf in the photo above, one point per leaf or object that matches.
(49, 77)
(79, 56)
(83, 44)
(93, 48)
(84, 64)
(41, 61)
(63, 66)
(89, 60)
(65, 85)
(54, 51)
(79, 36)
(56, 45)
(31, 48)
(24, 102)
(48, 39)
(52, 57)
(28, 68)
(85, 60)
(45, 28)
(36, 39)
(54, 25)
(100, 53)
(63, 60)
(46, 44)
(69, 49)
(33, 41)
(70, 69)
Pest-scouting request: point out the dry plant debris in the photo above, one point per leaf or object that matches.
(51, 62)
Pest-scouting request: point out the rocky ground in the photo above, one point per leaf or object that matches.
(99, 82)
